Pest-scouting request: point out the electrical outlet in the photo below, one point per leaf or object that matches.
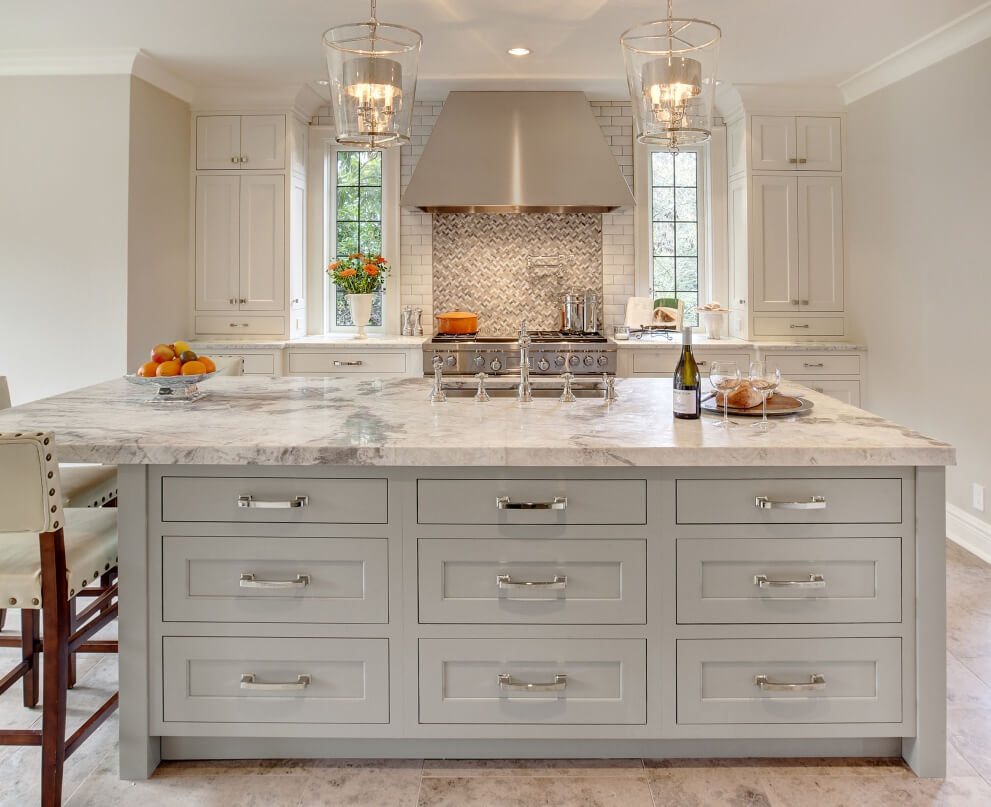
(979, 497)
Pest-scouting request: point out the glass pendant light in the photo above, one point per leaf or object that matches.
(372, 70)
(671, 70)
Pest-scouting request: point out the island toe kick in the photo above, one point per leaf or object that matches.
(480, 612)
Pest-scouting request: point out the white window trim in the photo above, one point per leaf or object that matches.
(643, 225)
(327, 196)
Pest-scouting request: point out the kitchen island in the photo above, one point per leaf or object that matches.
(336, 567)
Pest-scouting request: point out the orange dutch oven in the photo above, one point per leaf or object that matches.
(457, 322)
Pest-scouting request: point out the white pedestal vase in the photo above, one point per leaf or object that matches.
(361, 311)
(712, 321)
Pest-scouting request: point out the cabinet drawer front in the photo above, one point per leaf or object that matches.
(320, 580)
(241, 324)
(254, 363)
(592, 582)
(846, 390)
(861, 680)
(720, 580)
(586, 501)
(348, 680)
(655, 361)
(327, 501)
(734, 501)
(795, 364)
(346, 363)
(705, 358)
(798, 326)
(605, 681)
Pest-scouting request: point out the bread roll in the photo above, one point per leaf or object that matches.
(744, 397)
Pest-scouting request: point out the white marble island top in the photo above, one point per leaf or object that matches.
(344, 421)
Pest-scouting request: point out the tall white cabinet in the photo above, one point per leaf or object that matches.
(249, 225)
(785, 211)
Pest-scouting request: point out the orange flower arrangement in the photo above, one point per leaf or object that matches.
(359, 273)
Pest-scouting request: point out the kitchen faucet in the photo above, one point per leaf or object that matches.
(524, 393)
(437, 395)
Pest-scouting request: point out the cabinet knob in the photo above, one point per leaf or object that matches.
(232, 301)
(803, 302)
(242, 301)
(742, 302)
(793, 159)
(235, 159)
(802, 160)
(793, 302)
(243, 158)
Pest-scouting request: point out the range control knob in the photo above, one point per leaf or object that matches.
(495, 365)
(452, 360)
(603, 361)
(589, 361)
(478, 361)
(543, 364)
(559, 361)
(574, 361)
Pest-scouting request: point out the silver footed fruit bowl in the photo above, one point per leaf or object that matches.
(173, 389)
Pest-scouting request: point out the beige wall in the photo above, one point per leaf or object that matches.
(158, 220)
(917, 223)
(63, 231)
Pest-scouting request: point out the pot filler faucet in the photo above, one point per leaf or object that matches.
(524, 393)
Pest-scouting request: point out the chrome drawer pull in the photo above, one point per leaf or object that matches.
(508, 684)
(505, 503)
(814, 503)
(348, 363)
(816, 683)
(793, 325)
(812, 581)
(248, 681)
(249, 580)
(560, 581)
(250, 501)
(812, 364)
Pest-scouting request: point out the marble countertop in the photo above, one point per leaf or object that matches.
(345, 421)
(699, 341)
(322, 340)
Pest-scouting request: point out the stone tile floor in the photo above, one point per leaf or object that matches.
(91, 775)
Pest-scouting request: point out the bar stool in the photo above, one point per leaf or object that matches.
(82, 486)
(48, 556)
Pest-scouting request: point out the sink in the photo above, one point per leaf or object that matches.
(459, 390)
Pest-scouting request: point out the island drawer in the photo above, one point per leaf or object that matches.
(319, 580)
(768, 681)
(532, 501)
(789, 580)
(307, 362)
(539, 581)
(789, 501)
(210, 679)
(275, 500)
(804, 364)
(574, 681)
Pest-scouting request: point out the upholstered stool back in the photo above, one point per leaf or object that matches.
(4, 393)
(30, 488)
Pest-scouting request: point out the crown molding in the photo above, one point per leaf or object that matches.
(246, 97)
(93, 62)
(787, 99)
(955, 36)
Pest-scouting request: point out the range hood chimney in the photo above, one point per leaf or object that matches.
(517, 152)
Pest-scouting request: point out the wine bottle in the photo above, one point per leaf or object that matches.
(687, 383)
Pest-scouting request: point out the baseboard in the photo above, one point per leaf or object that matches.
(968, 531)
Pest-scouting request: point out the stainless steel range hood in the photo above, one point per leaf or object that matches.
(517, 152)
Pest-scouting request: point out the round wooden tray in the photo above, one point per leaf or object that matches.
(777, 406)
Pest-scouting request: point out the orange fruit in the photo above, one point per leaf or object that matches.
(148, 369)
(208, 363)
(195, 367)
(168, 368)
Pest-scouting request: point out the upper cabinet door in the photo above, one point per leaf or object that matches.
(819, 144)
(218, 142)
(738, 258)
(820, 242)
(775, 243)
(297, 244)
(217, 244)
(263, 243)
(772, 143)
(263, 142)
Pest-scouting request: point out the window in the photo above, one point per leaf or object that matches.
(673, 228)
(357, 219)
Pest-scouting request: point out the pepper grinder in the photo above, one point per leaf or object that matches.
(417, 325)
(407, 327)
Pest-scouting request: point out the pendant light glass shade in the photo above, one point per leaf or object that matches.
(372, 71)
(671, 70)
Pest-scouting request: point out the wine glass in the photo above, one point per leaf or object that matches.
(765, 379)
(725, 377)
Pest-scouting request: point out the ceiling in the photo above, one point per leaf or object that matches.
(575, 43)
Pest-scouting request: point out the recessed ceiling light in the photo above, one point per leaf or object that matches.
(518, 51)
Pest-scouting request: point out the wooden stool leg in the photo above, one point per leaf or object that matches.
(3, 617)
(56, 619)
(72, 656)
(106, 581)
(30, 621)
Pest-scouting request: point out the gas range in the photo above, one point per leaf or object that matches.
(551, 353)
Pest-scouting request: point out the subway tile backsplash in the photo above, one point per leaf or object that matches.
(480, 264)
